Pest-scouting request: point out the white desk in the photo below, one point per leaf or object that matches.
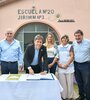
(29, 90)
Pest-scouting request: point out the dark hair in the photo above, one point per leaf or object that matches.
(65, 37)
(79, 31)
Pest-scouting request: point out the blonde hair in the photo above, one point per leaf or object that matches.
(53, 39)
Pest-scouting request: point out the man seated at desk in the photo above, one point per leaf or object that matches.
(35, 59)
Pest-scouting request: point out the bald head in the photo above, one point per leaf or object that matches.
(9, 34)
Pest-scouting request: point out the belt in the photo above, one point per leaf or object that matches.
(82, 62)
(9, 61)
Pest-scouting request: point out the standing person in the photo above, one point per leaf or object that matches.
(82, 64)
(51, 52)
(10, 54)
(35, 59)
(66, 68)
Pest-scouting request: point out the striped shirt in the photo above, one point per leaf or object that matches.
(82, 51)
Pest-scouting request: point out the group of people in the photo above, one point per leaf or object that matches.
(45, 57)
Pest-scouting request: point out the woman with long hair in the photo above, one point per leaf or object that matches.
(51, 52)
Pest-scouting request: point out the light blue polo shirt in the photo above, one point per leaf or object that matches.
(82, 51)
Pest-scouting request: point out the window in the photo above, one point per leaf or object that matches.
(27, 33)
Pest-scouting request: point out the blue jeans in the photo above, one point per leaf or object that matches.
(53, 68)
(9, 67)
(82, 75)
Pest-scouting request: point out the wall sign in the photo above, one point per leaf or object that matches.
(26, 14)
(33, 13)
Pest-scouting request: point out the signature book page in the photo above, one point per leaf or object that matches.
(40, 77)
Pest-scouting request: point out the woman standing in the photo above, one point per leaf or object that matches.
(51, 52)
(66, 68)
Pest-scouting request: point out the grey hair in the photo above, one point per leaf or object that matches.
(9, 30)
(38, 37)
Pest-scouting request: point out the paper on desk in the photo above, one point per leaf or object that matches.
(40, 77)
(13, 77)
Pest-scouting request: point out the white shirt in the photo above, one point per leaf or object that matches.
(51, 52)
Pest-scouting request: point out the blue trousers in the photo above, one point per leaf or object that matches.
(82, 75)
(53, 68)
(9, 67)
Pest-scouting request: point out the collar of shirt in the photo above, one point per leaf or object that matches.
(64, 45)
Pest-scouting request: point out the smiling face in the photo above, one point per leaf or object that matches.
(78, 37)
(49, 38)
(9, 35)
(38, 43)
(64, 41)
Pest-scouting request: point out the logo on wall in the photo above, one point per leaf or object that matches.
(59, 19)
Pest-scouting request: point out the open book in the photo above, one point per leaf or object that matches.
(40, 77)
